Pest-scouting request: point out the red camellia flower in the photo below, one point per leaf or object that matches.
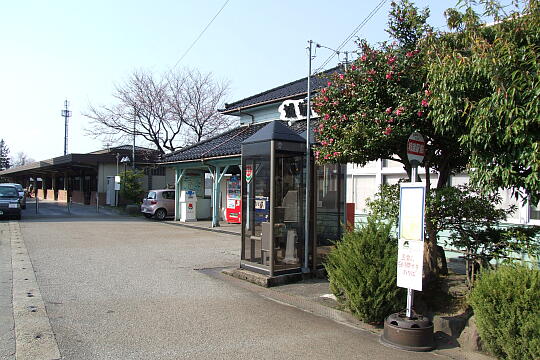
(387, 131)
(420, 113)
(425, 103)
(326, 116)
(400, 110)
(388, 110)
(389, 75)
(428, 93)
(391, 60)
(363, 58)
(353, 67)
(390, 121)
(369, 79)
(341, 76)
(329, 83)
(372, 72)
(409, 54)
(323, 90)
(344, 117)
(337, 153)
(334, 127)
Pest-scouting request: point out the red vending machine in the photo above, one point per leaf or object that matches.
(234, 202)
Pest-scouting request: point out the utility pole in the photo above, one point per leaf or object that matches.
(307, 219)
(133, 150)
(66, 114)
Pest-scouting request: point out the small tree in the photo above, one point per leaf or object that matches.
(362, 272)
(5, 162)
(130, 186)
(473, 220)
(369, 111)
(485, 84)
(21, 159)
(168, 111)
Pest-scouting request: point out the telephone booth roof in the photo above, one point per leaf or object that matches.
(275, 130)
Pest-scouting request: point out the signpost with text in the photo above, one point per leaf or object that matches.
(411, 224)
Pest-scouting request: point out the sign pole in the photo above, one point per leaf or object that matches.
(412, 195)
(410, 292)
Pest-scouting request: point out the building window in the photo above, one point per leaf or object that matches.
(207, 185)
(155, 171)
(535, 212)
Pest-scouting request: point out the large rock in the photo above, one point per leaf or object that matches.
(470, 338)
(450, 325)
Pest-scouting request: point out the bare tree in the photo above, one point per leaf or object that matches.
(165, 111)
(21, 159)
(195, 97)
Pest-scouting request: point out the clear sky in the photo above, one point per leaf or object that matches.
(78, 50)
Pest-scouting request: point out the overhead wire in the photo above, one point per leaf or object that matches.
(201, 34)
(355, 31)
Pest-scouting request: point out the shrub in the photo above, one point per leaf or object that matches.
(131, 190)
(362, 271)
(507, 309)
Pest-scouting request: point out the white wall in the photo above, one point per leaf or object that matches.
(363, 183)
(105, 170)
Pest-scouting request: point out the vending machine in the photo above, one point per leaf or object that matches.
(234, 202)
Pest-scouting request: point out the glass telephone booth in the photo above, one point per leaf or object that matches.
(273, 200)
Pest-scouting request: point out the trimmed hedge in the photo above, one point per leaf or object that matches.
(362, 270)
(506, 303)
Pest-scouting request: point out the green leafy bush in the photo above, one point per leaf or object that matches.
(506, 303)
(131, 191)
(362, 271)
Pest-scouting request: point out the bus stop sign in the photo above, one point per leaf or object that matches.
(416, 148)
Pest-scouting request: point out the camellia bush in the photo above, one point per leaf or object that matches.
(362, 272)
(507, 310)
(368, 111)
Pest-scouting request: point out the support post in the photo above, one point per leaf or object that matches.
(272, 204)
(410, 292)
(305, 268)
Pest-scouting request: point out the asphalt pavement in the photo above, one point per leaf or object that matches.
(117, 287)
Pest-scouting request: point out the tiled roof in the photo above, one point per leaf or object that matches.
(290, 90)
(226, 144)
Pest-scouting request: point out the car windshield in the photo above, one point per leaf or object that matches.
(8, 191)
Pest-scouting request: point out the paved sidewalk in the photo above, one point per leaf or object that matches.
(224, 227)
(7, 325)
(314, 296)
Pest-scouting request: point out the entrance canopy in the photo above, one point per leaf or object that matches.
(216, 156)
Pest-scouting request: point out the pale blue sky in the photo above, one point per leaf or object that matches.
(53, 50)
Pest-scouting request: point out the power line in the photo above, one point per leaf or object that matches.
(358, 28)
(201, 34)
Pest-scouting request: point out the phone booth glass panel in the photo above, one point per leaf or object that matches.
(273, 200)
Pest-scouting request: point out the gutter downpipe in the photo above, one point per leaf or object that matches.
(240, 112)
(305, 268)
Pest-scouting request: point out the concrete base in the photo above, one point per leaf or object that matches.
(263, 280)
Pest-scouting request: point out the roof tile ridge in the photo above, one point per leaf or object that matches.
(226, 141)
(278, 87)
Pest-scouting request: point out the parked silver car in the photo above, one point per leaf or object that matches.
(158, 204)
(9, 201)
(22, 193)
